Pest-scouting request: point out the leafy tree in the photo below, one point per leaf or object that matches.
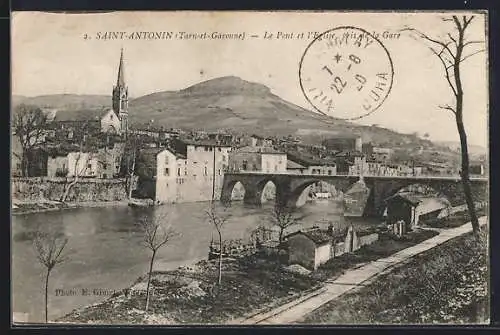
(28, 123)
(452, 51)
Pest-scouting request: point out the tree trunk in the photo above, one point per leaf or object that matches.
(149, 279)
(24, 164)
(68, 188)
(47, 296)
(464, 173)
(131, 178)
(220, 259)
(281, 235)
(465, 179)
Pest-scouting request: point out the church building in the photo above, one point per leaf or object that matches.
(106, 120)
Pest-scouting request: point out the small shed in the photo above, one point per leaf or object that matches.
(309, 248)
(411, 208)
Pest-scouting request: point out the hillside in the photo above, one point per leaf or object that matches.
(64, 101)
(232, 104)
(238, 105)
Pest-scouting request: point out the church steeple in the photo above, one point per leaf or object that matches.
(120, 96)
(121, 72)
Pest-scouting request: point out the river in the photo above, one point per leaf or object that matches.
(104, 250)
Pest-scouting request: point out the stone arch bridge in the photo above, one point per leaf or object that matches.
(289, 187)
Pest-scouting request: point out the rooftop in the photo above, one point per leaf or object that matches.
(318, 236)
(205, 143)
(261, 149)
(81, 115)
(293, 165)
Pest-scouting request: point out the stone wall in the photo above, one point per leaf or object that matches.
(367, 239)
(44, 188)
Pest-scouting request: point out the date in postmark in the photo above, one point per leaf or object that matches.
(346, 73)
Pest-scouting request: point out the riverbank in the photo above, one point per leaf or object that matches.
(250, 285)
(444, 285)
(30, 207)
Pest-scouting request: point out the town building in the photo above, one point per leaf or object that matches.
(382, 154)
(261, 159)
(69, 160)
(259, 141)
(412, 208)
(295, 168)
(185, 171)
(345, 142)
(306, 164)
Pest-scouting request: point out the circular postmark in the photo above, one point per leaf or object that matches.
(346, 72)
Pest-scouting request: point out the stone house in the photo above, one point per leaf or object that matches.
(186, 171)
(258, 159)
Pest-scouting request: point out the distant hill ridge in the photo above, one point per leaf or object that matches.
(229, 103)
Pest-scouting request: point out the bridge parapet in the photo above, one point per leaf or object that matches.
(289, 186)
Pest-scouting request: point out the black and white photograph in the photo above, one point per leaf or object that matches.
(249, 168)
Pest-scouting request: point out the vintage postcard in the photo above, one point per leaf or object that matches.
(250, 168)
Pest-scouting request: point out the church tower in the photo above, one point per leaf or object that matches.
(120, 97)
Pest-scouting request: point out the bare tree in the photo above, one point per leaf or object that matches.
(28, 123)
(83, 156)
(218, 221)
(156, 234)
(283, 218)
(452, 51)
(49, 248)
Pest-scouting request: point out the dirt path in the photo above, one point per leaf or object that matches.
(350, 280)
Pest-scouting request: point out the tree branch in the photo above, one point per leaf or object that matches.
(472, 54)
(447, 74)
(448, 107)
(430, 39)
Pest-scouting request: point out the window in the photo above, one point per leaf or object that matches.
(104, 166)
(244, 164)
(166, 172)
(166, 160)
(329, 172)
(206, 149)
(276, 168)
(205, 171)
(178, 171)
(224, 158)
(210, 149)
(89, 166)
(185, 171)
(219, 149)
(220, 172)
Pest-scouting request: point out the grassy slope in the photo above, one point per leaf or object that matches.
(447, 284)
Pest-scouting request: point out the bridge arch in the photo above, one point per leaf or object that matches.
(297, 189)
(383, 188)
(253, 187)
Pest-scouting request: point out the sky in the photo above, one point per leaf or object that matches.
(50, 55)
